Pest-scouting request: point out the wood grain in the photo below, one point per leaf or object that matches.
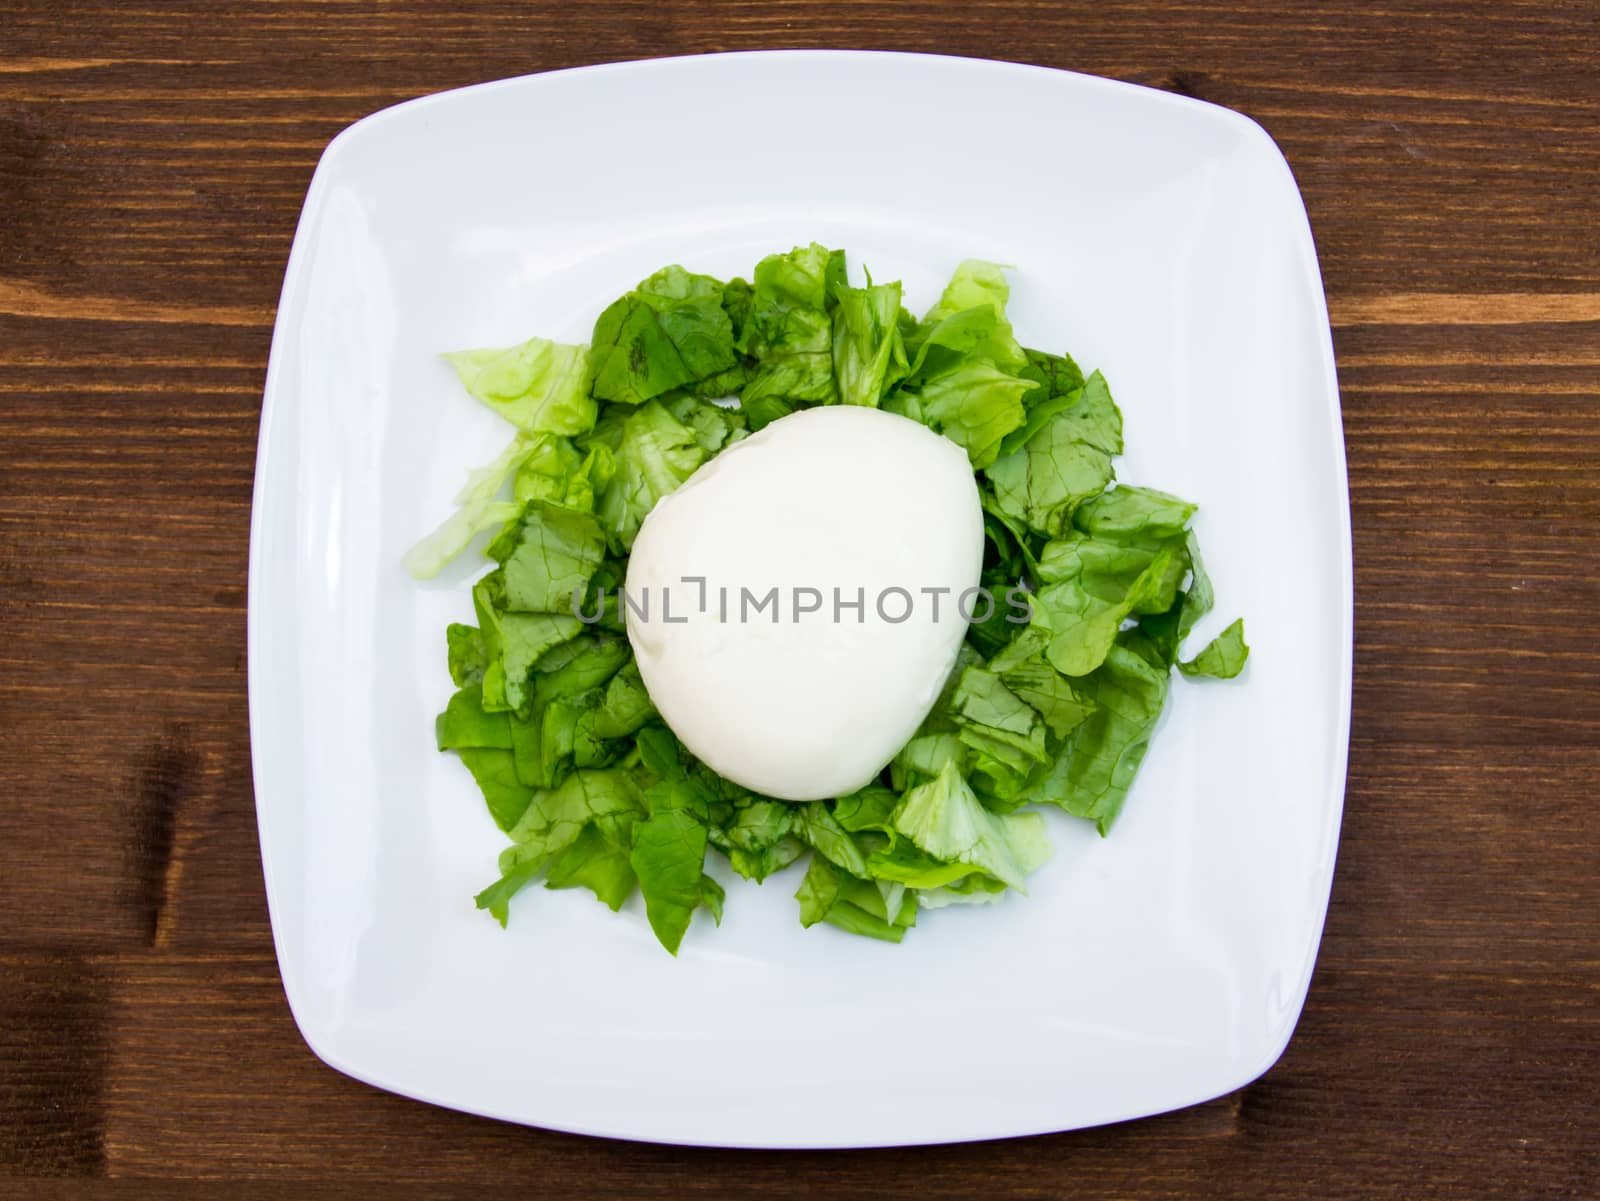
(152, 163)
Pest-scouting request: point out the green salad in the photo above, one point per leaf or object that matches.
(552, 718)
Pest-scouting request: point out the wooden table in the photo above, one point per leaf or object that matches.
(152, 162)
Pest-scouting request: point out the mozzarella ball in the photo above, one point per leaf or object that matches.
(794, 605)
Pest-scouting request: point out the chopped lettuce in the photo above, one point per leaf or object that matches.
(975, 405)
(1097, 764)
(756, 837)
(480, 507)
(548, 555)
(466, 723)
(883, 910)
(625, 705)
(655, 453)
(1060, 383)
(495, 770)
(668, 856)
(670, 332)
(1223, 657)
(1064, 461)
(537, 386)
(466, 654)
(430, 555)
(554, 470)
(513, 642)
(713, 426)
(1054, 696)
(978, 285)
(819, 828)
(1006, 735)
(944, 819)
(789, 329)
(869, 355)
(596, 861)
(1093, 586)
(1034, 681)
(1134, 514)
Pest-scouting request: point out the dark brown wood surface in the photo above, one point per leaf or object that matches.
(153, 157)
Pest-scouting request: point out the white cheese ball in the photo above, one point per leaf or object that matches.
(839, 502)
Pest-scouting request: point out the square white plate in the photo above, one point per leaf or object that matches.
(1158, 238)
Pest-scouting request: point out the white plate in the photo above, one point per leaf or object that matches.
(1160, 239)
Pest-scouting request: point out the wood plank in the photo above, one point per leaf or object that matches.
(153, 159)
(196, 1037)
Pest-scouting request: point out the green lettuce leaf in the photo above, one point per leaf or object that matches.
(669, 851)
(976, 889)
(1025, 838)
(579, 665)
(513, 643)
(738, 298)
(1127, 514)
(1005, 735)
(1098, 421)
(497, 897)
(670, 332)
(756, 837)
(806, 277)
(904, 864)
(796, 372)
(1094, 585)
(661, 756)
(1007, 569)
(467, 656)
(714, 426)
(1167, 630)
(1127, 555)
(1058, 375)
(760, 412)
(565, 739)
(434, 551)
(818, 891)
(875, 910)
(1199, 598)
(537, 386)
(559, 728)
(465, 723)
(606, 802)
(555, 470)
(712, 896)
(1047, 692)
(625, 707)
(870, 808)
(1100, 758)
(789, 331)
(548, 555)
(944, 819)
(869, 354)
(481, 506)
(605, 797)
(975, 405)
(1223, 657)
(655, 453)
(820, 829)
(1064, 462)
(596, 862)
(980, 285)
(956, 340)
(495, 770)
(926, 756)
